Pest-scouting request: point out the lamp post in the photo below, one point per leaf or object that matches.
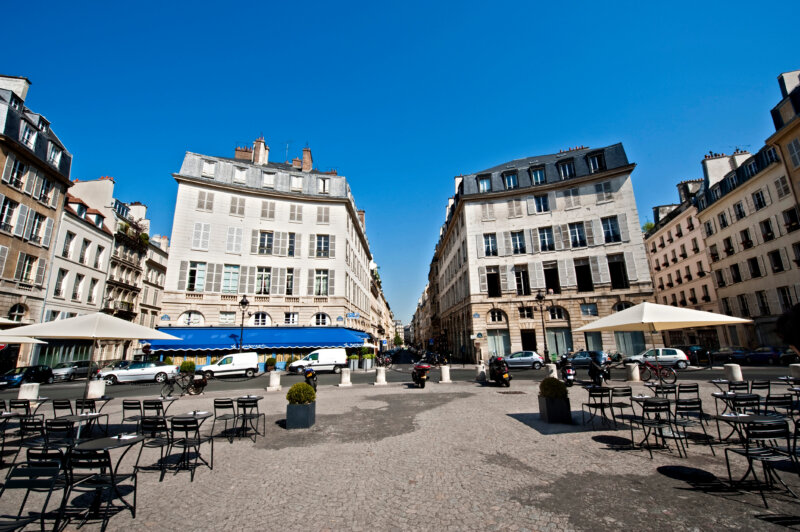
(243, 304)
(541, 306)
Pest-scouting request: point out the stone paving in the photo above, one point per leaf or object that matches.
(460, 456)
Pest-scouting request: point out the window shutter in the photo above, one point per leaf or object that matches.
(482, 283)
(197, 235)
(211, 277)
(622, 220)
(599, 235)
(785, 259)
(299, 213)
(744, 271)
(511, 280)
(779, 225)
(531, 205)
(233, 208)
(37, 186)
(507, 247)
(40, 272)
(551, 200)
(237, 240)
(9, 165)
(311, 282)
(332, 247)
(485, 211)
(3, 257)
(331, 282)
(48, 232)
(279, 278)
(588, 227)
(595, 268)
(312, 247)
(571, 280)
(529, 242)
(479, 246)
(630, 265)
(567, 199)
(537, 277)
(29, 224)
(576, 198)
(20, 265)
(295, 283)
(30, 181)
(231, 239)
(217, 277)
(19, 227)
(598, 192)
(254, 241)
(563, 276)
(201, 200)
(205, 236)
(273, 281)
(243, 279)
(557, 241)
(298, 244)
(54, 200)
(284, 250)
(182, 275)
(605, 275)
(566, 239)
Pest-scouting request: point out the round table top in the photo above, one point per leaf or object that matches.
(748, 418)
(731, 395)
(9, 414)
(193, 415)
(643, 398)
(257, 397)
(81, 417)
(112, 442)
(168, 399)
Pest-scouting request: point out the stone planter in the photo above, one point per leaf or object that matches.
(367, 363)
(301, 416)
(352, 363)
(554, 410)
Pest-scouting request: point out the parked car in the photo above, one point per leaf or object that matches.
(138, 371)
(726, 354)
(69, 371)
(524, 359)
(667, 356)
(234, 364)
(788, 356)
(27, 374)
(581, 359)
(698, 355)
(762, 355)
(330, 359)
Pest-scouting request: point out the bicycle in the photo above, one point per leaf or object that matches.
(186, 383)
(665, 373)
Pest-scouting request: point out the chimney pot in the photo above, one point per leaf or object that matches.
(307, 160)
(260, 155)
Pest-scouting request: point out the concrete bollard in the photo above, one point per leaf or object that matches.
(380, 376)
(345, 378)
(445, 375)
(274, 382)
(733, 372)
(96, 389)
(29, 391)
(480, 373)
(794, 371)
(552, 370)
(632, 373)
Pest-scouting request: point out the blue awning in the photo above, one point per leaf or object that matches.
(227, 338)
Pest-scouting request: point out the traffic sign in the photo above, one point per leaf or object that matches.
(3, 346)
(353, 315)
(339, 318)
(383, 342)
(480, 335)
(476, 315)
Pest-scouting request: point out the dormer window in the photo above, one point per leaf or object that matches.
(98, 220)
(323, 185)
(239, 174)
(566, 169)
(484, 183)
(209, 167)
(268, 179)
(597, 162)
(537, 175)
(297, 183)
(28, 135)
(43, 125)
(16, 103)
(54, 155)
(510, 181)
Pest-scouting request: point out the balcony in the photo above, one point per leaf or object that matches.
(228, 297)
(791, 227)
(670, 240)
(661, 287)
(657, 268)
(690, 227)
(688, 277)
(674, 260)
(701, 273)
(682, 302)
(193, 295)
(320, 300)
(695, 250)
(678, 234)
(661, 245)
(747, 244)
(683, 255)
(679, 280)
(670, 285)
(714, 257)
(729, 251)
(123, 306)
(769, 235)
(6, 227)
(706, 298)
(693, 300)
(292, 300)
(35, 239)
(261, 299)
(665, 264)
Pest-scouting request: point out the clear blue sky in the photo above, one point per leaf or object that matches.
(399, 97)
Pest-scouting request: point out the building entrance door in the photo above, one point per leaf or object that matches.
(528, 339)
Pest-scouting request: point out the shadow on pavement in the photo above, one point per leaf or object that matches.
(614, 443)
(536, 423)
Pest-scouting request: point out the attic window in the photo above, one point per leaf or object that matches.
(43, 125)
(566, 169)
(268, 179)
(16, 103)
(239, 174)
(209, 167)
(597, 162)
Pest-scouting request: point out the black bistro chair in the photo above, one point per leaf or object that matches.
(157, 436)
(657, 420)
(186, 435)
(249, 416)
(62, 408)
(131, 412)
(225, 411)
(757, 386)
(688, 391)
(689, 413)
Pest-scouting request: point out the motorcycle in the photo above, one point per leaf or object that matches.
(498, 371)
(420, 373)
(311, 378)
(567, 370)
(196, 386)
(599, 373)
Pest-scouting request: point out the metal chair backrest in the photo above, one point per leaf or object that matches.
(62, 407)
(31, 425)
(3, 404)
(154, 427)
(20, 406)
(152, 407)
(86, 405)
(90, 460)
(621, 391)
(188, 427)
(224, 405)
(741, 386)
(657, 408)
(46, 455)
(783, 401)
(665, 390)
(760, 385)
(743, 404)
(765, 433)
(684, 406)
(35, 477)
(689, 389)
(597, 395)
(131, 405)
(58, 429)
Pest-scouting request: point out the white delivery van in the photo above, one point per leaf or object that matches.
(234, 364)
(330, 359)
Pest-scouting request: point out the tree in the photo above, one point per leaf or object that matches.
(648, 226)
(397, 340)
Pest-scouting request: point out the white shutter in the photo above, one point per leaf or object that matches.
(251, 280)
(479, 247)
(570, 264)
(605, 275)
(282, 243)
(537, 275)
(744, 271)
(22, 216)
(787, 265)
(557, 240)
(197, 235)
(20, 265)
(279, 278)
(48, 232)
(311, 282)
(30, 181)
(331, 282)
(237, 242)
(630, 265)
(588, 227)
(37, 186)
(209, 201)
(594, 266)
(201, 200)
(566, 238)
(511, 281)
(205, 236)
(3, 257)
(562, 272)
(217, 277)
(298, 213)
(529, 242)
(551, 200)
(9, 166)
(508, 249)
(599, 235)
(29, 224)
(231, 240)
(54, 200)
(567, 199)
(531, 204)
(312, 247)
(182, 275)
(298, 244)
(243, 279)
(482, 283)
(40, 270)
(622, 220)
(332, 247)
(254, 241)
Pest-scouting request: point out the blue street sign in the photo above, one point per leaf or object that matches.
(165, 317)
(476, 315)
(339, 318)
(383, 342)
(430, 342)
(353, 315)
(480, 335)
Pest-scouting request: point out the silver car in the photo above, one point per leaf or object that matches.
(68, 371)
(524, 359)
(139, 371)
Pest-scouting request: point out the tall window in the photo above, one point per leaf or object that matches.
(510, 181)
(92, 291)
(794, 152)
(323, 185)
(577, 235)
(237, 206)
(289, 281)
(67, 251)
(537, 176)
(321, 283)
(17, 171)
(785, 298)
(84, 249)
(265, 242)
(738, 210)
(603, 191)
(484, 184)
(782, 186)
(290, 318)
(230, 279)
(541, 202)
(205, 201)
(98, 256)
(758, 200)
(196, 278)
(763, 304)
(295, 213)
(54, 155)
(76, 287)
(546, 242)
(744, 306)
(200, 236)
(323, 246)
(518, 242)
(775, 261)
(766, 230)
(490, 245)
(260, 319)
(522, 281)
(263, 277)
(7, 210)
(321, 319)
(28, 136)
(290, 246)
(611, 229)
(723, 220)
(566, 169)
(58, 290)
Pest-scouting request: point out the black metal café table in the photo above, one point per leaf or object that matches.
(721, 384)
(126, 441)
(85, 418)
(728, 397)
(736, 420)
(40, 401)
(243, 428)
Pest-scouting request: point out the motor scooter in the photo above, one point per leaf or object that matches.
(419, 374)
(311, 378)
(567, 370)
(498, 371)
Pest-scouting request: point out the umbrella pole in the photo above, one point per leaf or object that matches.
(95, 343)
(655, 350)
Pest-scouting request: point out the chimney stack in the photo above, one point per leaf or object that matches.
(361, 216)
(260, 152)
(242, 153)
(307, 161)
(17, 85)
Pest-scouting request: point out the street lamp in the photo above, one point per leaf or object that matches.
(541, 306)
(243, 304)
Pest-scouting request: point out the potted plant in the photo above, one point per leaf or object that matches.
(269, 364)
(188, 367)
(302, 408)
(352, 361)
(554, 401)
(368, 360)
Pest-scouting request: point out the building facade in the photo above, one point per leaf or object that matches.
(750, 220)
(153, 281)
(35, 176)
(563, 227)
(286, 235)
(786, 139)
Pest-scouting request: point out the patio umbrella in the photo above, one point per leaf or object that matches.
(95, 327)
(8, 339)
(652, 317)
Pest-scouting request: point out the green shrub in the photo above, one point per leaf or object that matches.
(301, 394)
(365, 351)
(368, 356)
(270, 361)
(168, 360)
(187, 366)
(352, 357)
(554, 388)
